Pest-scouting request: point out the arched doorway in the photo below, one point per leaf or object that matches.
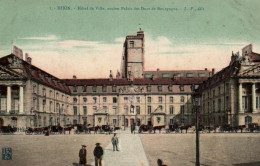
(248, 119)
(1, 122)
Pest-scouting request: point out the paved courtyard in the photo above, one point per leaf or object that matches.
(135, 150)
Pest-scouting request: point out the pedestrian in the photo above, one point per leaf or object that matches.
(83, 155)
(115, 142)
(98, 154)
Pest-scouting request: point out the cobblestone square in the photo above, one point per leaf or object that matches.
(135, 149)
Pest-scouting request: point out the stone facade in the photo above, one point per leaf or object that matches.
(231, 96)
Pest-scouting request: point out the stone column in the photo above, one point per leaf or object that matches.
(253, 99)
(8, 98)
(21, 100)
(240, 98)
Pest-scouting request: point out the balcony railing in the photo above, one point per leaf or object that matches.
(3, 111)
(14, 111)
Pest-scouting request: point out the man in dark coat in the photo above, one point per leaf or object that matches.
(98, 153)
(115, 142)
(83, 155)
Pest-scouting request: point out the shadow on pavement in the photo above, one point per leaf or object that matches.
(248, 164)
(77, 164)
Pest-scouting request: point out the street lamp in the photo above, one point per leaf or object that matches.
(196, 104)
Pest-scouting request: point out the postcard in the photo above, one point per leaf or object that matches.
(129, 82)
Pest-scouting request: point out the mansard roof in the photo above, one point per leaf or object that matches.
(137, 81)
(37, 74)
(255, 56)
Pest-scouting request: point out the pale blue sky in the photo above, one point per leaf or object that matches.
(90, 42)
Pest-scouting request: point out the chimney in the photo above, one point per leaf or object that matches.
(74, 77)
(206, 68)
(158, 69)
(213, 71)
(110, 76)
(27, 58)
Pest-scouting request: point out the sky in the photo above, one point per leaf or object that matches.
(179, 34)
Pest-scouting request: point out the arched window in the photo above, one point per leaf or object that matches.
(248, 119)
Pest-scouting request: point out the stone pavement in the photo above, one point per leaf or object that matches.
(131, 152)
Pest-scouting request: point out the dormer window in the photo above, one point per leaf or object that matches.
(181, 87)
(170, 88)
(114, 88)
(149, 88)
(94, 88)
(104, 88)
(75, 88)
(84, 88)
(159, 88)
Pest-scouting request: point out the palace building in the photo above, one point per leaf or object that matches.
(232, 96)
(29, 96)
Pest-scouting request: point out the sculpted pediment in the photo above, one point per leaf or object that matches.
(252, 71)
(8, 74)
(131, 89)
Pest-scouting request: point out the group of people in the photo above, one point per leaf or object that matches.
(98, 152)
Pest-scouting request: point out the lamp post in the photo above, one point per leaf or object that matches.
(196, 105)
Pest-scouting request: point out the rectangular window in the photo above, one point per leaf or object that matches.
(160, 107)
(214, 93)
(170, 88)
(159, 88)
(181, 87)
(114, 88)
(132, 109)
(94, 100)
(182, 99)
(171, 121)
(257, 103)
(126, 110)
(75, 110)
(171, 110)
(114, 121)
(85, 110)
(149, 88)
(94, 88)
(219, 105)
(94, 108)
(149, 99)
(114, 110)
(132, 44)
(138, 110)
(104, 88)
(202, 75)
(138, 99)
(214, 106)
(179, 74)
(160, 99)
(227, 102)
(219, 90)
(148, 76)
(245, 102)
(126, 99)
(171, 99)
(165, 75)
(104, 99)
(114, 100)
(84, 88)
(190, 75)
(75, 88)
(182, 109)
(149, 109)
(105, 109)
